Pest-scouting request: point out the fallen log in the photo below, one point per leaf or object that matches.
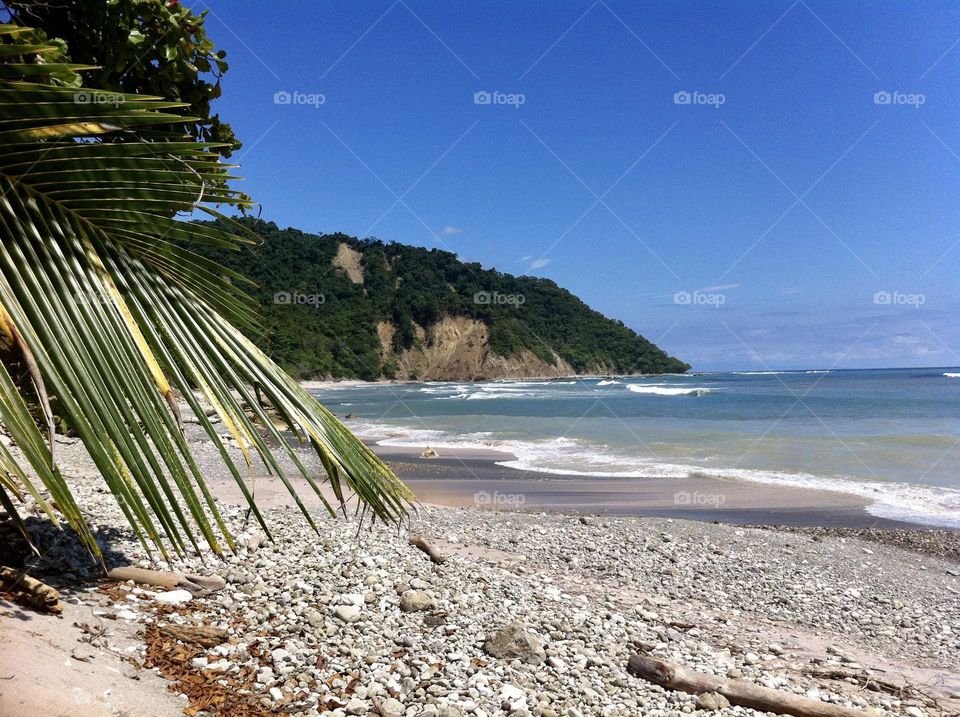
(196, 585)
(203, 635)
(29, 591)
(738, 692)
(210, 583)
(142, 576)
(418, 541)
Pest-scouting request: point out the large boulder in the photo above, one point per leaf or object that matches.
(513, 642)
(415, 601)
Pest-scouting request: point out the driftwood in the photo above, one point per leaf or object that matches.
(30, 591)
(738, 692)
(197, 585)
(418, 541)
(204, 635)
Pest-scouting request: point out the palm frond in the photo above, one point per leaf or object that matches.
(121, 319)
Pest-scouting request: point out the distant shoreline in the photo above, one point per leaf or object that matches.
(347, 382)
(318, 385)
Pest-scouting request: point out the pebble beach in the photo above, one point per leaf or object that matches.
(531, 613)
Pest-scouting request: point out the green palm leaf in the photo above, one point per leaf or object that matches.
(116, 317)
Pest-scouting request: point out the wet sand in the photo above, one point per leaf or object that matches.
(477, 481)
(472, 478)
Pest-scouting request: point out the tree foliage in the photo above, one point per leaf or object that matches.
(412, 287)
(143, 47)
(109, 314)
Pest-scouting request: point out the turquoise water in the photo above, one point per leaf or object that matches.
(892, 436)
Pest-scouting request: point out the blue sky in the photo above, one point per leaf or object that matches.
(723, 177)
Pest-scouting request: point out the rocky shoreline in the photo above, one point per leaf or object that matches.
(531, 614)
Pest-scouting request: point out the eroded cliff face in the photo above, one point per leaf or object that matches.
(350, 262)
(457, 348)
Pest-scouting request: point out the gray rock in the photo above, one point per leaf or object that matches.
(712, 701)
(392, 707)
(347, 613)
(314, 618)
(513, 642)
(357, 707)
(415, 601)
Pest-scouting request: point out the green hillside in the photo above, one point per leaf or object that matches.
(320, 323)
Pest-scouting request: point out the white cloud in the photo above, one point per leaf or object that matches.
(450, 231)
(525, 259)
(540, 263)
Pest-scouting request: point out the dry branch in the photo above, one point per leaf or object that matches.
(418, 541)
(738, 692)
(203, 635)
(29, 591)
(197, 585)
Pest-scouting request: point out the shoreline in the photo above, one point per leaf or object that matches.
(321, 384)
(471, 478)
(704, 491)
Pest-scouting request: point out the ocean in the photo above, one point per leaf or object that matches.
(891, 436)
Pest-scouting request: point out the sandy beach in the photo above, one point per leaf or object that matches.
(472, 478)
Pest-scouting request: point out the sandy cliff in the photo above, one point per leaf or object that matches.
(457, 348)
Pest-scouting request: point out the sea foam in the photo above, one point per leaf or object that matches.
(922, 504)
(656, 390)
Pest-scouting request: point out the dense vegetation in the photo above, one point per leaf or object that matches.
(329, 326)
(109, 323)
